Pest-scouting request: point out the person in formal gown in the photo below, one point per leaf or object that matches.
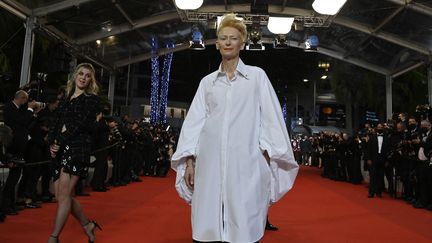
(234, 156)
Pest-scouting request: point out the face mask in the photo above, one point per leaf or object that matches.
(424, 129)
(412, 126)
(380, 131)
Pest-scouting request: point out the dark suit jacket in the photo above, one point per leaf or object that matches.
(372, 148)
(19, 120)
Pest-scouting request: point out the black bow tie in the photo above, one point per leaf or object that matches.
(380, 135)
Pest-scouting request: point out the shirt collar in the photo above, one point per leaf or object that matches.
(241, 69)
(17, 106)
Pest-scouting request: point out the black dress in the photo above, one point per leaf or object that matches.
(77, 116)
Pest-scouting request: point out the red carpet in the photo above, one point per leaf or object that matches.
(316, 210)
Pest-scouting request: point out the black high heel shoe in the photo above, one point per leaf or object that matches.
(96, 225)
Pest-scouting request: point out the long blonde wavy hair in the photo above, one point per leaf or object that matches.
(92, 88)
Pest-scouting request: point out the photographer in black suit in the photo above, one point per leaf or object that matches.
(424, 180)
(100, 140)
(377, 149)
(18, 116)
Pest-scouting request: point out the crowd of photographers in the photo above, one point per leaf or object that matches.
(129, 147)
(398, 152)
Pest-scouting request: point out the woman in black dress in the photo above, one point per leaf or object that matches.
(70, 146)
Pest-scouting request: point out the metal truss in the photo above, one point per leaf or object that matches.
(262, 19)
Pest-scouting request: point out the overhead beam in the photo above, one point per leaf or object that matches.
(55, 7)
(324, 51)
(407, 69)
(418, 7)
(354, 61)
(382, 35)
(377, 28)
(275, 9)
(161, 52)
(24, 12)
(126, 27)
(15, 8)
(125, 15)
(388, 19)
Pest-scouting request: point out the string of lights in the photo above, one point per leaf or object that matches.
(284, 109)
(154, 96)
(166, 70)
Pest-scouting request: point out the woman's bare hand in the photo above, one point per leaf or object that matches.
(54, 148)
(189, 176)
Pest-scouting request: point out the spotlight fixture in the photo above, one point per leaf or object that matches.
(280, 25)
(324, 77)
(305, 80)
(298, 26)
(311, 43)
(98, 42)
(197, 42)
(328, 7)
(324, 65)
(107, 27)
(188, 4)
(255, 43)
(280, 42)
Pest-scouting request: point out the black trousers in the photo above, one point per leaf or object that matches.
(100, 170)
(389, 174)
(354, 170)
(424, 178)
(376, 172)
(9, 188)
(46, 173)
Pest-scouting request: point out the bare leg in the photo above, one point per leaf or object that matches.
(78, 213)
(64, 188)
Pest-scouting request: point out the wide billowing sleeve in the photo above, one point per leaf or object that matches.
(188, 141)
(275, 140)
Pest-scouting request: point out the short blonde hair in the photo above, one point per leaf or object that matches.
(92, 88)
(230, 20)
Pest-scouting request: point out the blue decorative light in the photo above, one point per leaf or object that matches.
(285, 109)
(154, 101)
(311, 43)
(166, 70)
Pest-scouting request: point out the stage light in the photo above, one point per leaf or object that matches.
(188, 4)
(98, 42)
(255, 43)
(107, 27)
(324, 77)
(280, 42)
(197, 42)
(298, 26)
(311, 43)
(280, 25)
(324, 65)
(305, 80)
(328, 7)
